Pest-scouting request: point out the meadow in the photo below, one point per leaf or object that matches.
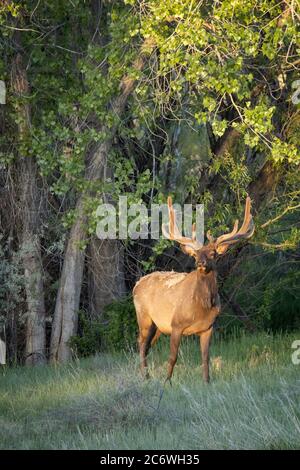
(252, 402)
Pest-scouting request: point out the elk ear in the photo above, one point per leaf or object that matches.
(188, 250)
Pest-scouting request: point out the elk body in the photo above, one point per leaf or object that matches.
(181, 304)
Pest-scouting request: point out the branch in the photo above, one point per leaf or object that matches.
(280, 246)
(239, 312)
(271, 221)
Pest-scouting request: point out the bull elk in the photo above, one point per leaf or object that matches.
(179, 304)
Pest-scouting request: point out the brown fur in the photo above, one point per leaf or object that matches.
(176, 304)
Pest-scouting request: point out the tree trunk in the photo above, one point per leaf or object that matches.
(68, 297)
(35, 329)
(67, 301)
(106, 281)
(263, 186)
(29, 216)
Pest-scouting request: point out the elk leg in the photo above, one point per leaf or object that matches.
(205, 338)
(155, 338)
(174, 345)
(142, 348)
(145, 339)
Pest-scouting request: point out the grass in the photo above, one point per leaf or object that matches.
(253, 401)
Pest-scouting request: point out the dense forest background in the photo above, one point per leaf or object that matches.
(143, 98)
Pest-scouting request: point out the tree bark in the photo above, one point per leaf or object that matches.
(263, 186)
(68, 297)
(29, 216)
(67, 301)
(106, 282)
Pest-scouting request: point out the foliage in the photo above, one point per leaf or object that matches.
(89, 338)
(116, 331)
(120, 326)
(11, 282)
(279, 310)
(265, 286)
(212, 59)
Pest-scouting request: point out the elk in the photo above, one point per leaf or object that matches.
(179, 304)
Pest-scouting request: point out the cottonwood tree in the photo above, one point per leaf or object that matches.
(29, 214)
(67, 303)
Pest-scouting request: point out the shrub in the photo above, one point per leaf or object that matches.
(120, 327)
(115, 331)
(88, 339)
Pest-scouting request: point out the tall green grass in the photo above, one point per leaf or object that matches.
(253, 400)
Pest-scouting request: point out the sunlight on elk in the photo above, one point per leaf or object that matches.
(179, 304)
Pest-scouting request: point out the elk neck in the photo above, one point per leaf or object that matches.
(207, 283)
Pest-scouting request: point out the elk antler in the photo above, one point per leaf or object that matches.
(174, 234)
(246, 231)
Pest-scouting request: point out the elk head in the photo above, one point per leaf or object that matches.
(205, 255)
